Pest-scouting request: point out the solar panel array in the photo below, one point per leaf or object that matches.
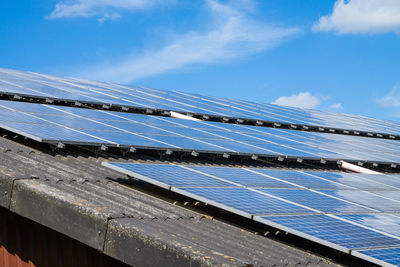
(353, 213)
(28, 84)
(356, 214)
(54, 124)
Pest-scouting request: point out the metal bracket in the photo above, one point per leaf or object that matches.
(17, 97)
(60, 145)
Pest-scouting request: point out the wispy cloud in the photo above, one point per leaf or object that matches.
(336, 107)
(391, 99)
(108, 16)
(231, 34)
(106, 9)
(300, 100)
(362, 16)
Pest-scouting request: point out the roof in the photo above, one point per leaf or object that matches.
(70, 192)
(57, 132)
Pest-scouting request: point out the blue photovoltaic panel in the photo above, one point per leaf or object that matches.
(389, 195)
(74, 125)
(171, 175)
(250, 202)
(361, 182)
(45, 86)
(335, 231)
(302, 179)
(391, 180)
(316, 201)
(386, 255)
(344, 217)
(243, 177)
(241, 199)
(369, 199)
(387, 223)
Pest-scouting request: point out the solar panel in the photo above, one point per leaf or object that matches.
(366, 198)
(331, 229)
(316, 200)
(69, 89)
(243, 200)
(341, 217)
(53, 124)
(387, 223)
(383, 256)
(243, 177)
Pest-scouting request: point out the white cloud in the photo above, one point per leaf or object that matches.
(362, 16)
(336, 107)
(392, 99)
(107, 16)
(301, 100)
(89, 8)
(232, 34)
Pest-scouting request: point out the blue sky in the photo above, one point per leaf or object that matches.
(331, 55)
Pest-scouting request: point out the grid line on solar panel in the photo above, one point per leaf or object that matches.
(170, 100)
